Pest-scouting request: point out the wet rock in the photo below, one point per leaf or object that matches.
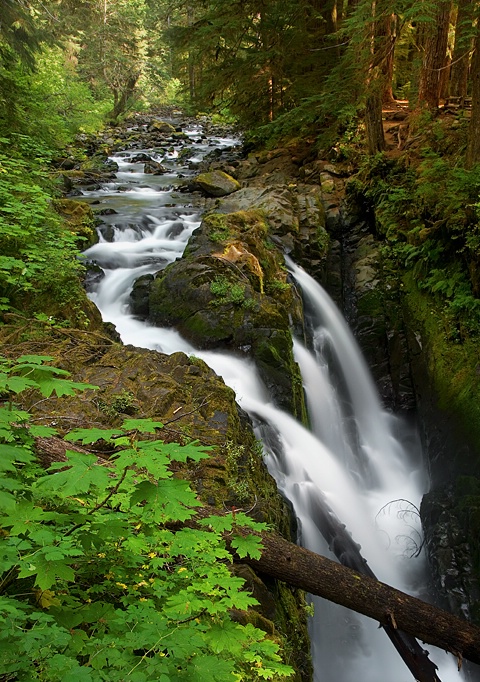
(154, 168)
(140, 158)
(93, 275)
(449, 552)
(230, 290)
(217, 183)
(140, 294)
(161, 127)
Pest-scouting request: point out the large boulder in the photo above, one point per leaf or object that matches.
(231, 290)
(161, 127)
(217, 183)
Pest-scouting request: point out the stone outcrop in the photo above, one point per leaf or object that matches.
(217, 183)
(79, 219)
(230, 290)
(193, 403)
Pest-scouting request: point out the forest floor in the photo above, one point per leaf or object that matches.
(404, 130)
(395, 126)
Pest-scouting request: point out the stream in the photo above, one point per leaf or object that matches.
(365, 464)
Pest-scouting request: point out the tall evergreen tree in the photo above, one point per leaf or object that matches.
(464, 35)
(434, 54)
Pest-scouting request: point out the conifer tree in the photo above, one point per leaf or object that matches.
(434, 54)
(464, 34)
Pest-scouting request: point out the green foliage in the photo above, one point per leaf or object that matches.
(226, 292)
(37, 253)
(95, 585)
(430, 220)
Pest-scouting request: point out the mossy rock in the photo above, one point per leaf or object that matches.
(162, 127)
(447, 374)
(216, 296)
(79, 219)
(217, 183)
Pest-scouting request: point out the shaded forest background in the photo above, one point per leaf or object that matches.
(318, 72)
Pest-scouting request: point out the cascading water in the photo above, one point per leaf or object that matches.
(351, 460)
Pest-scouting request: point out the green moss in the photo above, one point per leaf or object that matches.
(79, 220)
(226, 292)
(118, 404)
(453, 362)
(218, 227)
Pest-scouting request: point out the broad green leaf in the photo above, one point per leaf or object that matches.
(24, 517)
(241, 519)
(34, 359)
(13, 416)
(141, 425)
(250, 545)
(7, 501)
(18, 384)
(152, 459)
(60, 387)
(82, 474)
(219, 524)
(89, 436)
(39, 431)
(177, 496)
(9, 454)
(225, 636)
(145, 491)
(46, 572)
(181, 453)
(211, 668)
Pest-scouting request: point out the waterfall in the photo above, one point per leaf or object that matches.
(352, 459)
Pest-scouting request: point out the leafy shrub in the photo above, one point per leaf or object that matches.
(37, 253)
(95, 582)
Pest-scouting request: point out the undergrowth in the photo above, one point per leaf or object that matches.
(99, 577)
(37, 253)
(428, 215)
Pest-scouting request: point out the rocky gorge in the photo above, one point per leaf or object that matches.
(231, 290)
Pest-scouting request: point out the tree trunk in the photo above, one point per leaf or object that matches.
(434, 58)
(461, 50)
(373, 121)
(122, 96)
(473, 144)
(348, 553)
(391, 608)
(385, 43)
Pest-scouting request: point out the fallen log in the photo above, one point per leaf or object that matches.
(348, 553)
(325, 578)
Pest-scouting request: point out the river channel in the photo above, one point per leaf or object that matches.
(357, 458)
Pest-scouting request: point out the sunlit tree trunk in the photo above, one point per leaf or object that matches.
(462, 48)
(385, 44)
(473, 146)
(434, 57)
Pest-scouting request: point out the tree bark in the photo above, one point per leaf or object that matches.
(348, 553)
(434, 58)
(318, 575)
(385, 42)
(390, 607)
(461, 50)
(473, 145)
(373, 121)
